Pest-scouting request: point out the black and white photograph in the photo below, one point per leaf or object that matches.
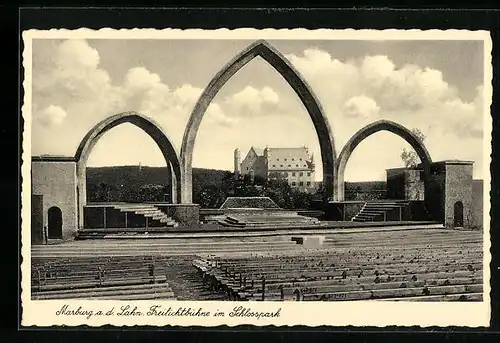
(174, 174)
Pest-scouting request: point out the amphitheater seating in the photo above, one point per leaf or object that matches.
(380, 211)
(160, 247)
(129, 277)
(437, 265)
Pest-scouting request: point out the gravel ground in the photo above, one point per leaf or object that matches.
(187, 283)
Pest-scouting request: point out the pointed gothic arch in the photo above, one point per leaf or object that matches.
(148, 126)
(293, 78)
(365, 132)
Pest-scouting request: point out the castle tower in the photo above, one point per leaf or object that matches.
(237, 161)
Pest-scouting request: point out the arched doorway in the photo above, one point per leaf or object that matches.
(458, 214)
(54, 228)
(293, 78)
(365, 132)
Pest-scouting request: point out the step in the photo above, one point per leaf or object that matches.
(101, 292)
(133, 209)
(150, 212)
(384, 205)
(145, 296)
(369, 215)
(373, 212)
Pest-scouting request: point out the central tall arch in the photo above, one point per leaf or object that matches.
(142, 122)
(365, 132)
(294, 79)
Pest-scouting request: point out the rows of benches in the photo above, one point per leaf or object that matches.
(419, 272)
(128, 277)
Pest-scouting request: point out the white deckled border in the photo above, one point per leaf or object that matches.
(361, 313)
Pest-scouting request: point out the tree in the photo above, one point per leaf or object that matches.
(103, 192)
(409, 156)
(211, 196)
(148, 193)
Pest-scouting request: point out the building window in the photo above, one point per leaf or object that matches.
(305, 166)
(285, 159)
(300, 159)
(289, 165)
(308, 183)
(247, 168)
(301, 183)
(294, 183)
(308, 173)
(293, 159)
(274, 165)
(281, 166)
(421, 175)
(301, 174)
(293, 174)
(277, 159)
(285, 174)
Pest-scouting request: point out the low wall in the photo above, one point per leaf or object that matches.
(346, 210)
(100, 216)
(342, 211)
(184, 214)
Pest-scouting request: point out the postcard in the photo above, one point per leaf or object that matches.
(263, 177)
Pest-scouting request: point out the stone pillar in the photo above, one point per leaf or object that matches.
(173, 185)
(81, 175)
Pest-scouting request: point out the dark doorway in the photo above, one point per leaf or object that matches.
(458, 214)
(55, 223)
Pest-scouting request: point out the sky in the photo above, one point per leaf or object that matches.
(434, 86)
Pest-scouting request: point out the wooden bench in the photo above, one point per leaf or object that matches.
(409, 272)
(99, 276)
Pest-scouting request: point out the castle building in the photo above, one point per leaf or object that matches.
(295, 165)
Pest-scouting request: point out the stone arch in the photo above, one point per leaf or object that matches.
(147, 125)
(293, 78)
(365, 132)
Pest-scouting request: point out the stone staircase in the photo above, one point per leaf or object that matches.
(142, 218)
(267, 220)
(147, 210)
(379, 211)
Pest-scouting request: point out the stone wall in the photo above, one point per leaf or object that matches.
(458, 188)
(477, 204)
(56, 181)
(342, 211)
(395, 184)
(187, 215)
(37, 235)
(414, 184)
(435, 192)
(405, 184)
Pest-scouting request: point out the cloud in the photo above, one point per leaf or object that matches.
(252, 102)
(409, 90)
(72, 92)
(361, 106)
(52, 115)
(68, 73)
(358, 91)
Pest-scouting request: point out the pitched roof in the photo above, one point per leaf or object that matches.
(282, 153)
(258, 151)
